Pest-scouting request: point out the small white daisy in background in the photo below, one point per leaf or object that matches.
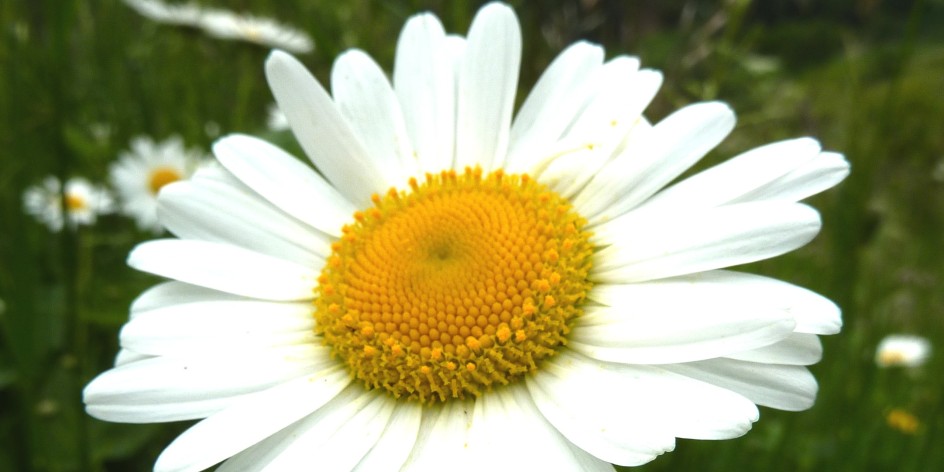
(179, 14)
(83, 201)
(902, 350)
(140, 173)
(461, 287)
(225, 24)
(266, 32)
(276, 120)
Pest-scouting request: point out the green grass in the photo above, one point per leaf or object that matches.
(864, 77)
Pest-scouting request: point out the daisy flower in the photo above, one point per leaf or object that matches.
(83, 202)
(902, 350)
(267, 32)
(170, 14)
(459, 288)
(141, 172)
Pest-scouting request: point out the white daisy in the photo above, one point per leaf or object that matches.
(182, 14)
(902, 350)
(542, 299)
(267, 32)
(83, 202)
(275, 119)
(141, 172)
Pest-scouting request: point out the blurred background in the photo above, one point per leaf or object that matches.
(80, 79)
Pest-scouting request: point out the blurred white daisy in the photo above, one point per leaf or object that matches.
(181, 14)
(902, 350)
(276, 120)
(489, 292)
(141, 172)
(83, 202)
(225, 24)
(267, 32)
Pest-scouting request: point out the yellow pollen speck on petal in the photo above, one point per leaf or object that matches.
(444, 275)
(162, 176)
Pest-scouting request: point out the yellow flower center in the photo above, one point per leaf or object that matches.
(75, 202)
(161, 176)
(464, 283)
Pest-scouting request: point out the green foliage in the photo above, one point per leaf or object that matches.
(79, 79)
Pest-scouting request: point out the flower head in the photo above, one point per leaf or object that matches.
(141, 172)
(902, 350)
(267, 32)
(457, 285)
(83, 202)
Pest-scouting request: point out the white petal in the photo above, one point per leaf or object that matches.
(727, 291)
(397, 440)
(736, 177)
(177, 388)
(126, 356)
(796, 349)
(488, 79)
(675, 330)
(821, 173)
(639, 401)
(443, 437)
(211, 211)
(582, 407)
(656, 246)
(785, 387)
(509, 430)
(425, 83)
(219, 325)
(647, 164)
(602, 126)
(335, 437)
(250, 420)
(321, 130)
(365, 98)
(173, 292)
(552, 104)
(285, 181)
(227, 268)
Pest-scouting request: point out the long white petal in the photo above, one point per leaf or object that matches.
(212, 211)
(366, 99)
(796, 349)
(176, 388)
(321, 130)
(424, 78)
(821, 173)
(488, 80)
(723, 291)
(335, 437)
(552, 103)
(219, 325)
(250, 421)
(227, 268)
(657, 246)
(443, 437)
(736, 177)
(642, 168)
(785, 387)
(675, 331)
(285, 181)
(397, 440)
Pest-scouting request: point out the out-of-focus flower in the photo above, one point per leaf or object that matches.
(903, 421)
(182, 14)
(458, 287)
(141, 172)
(225, 24)
(276, 120)
(902, 350)
(267, 32)
(83, 202)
